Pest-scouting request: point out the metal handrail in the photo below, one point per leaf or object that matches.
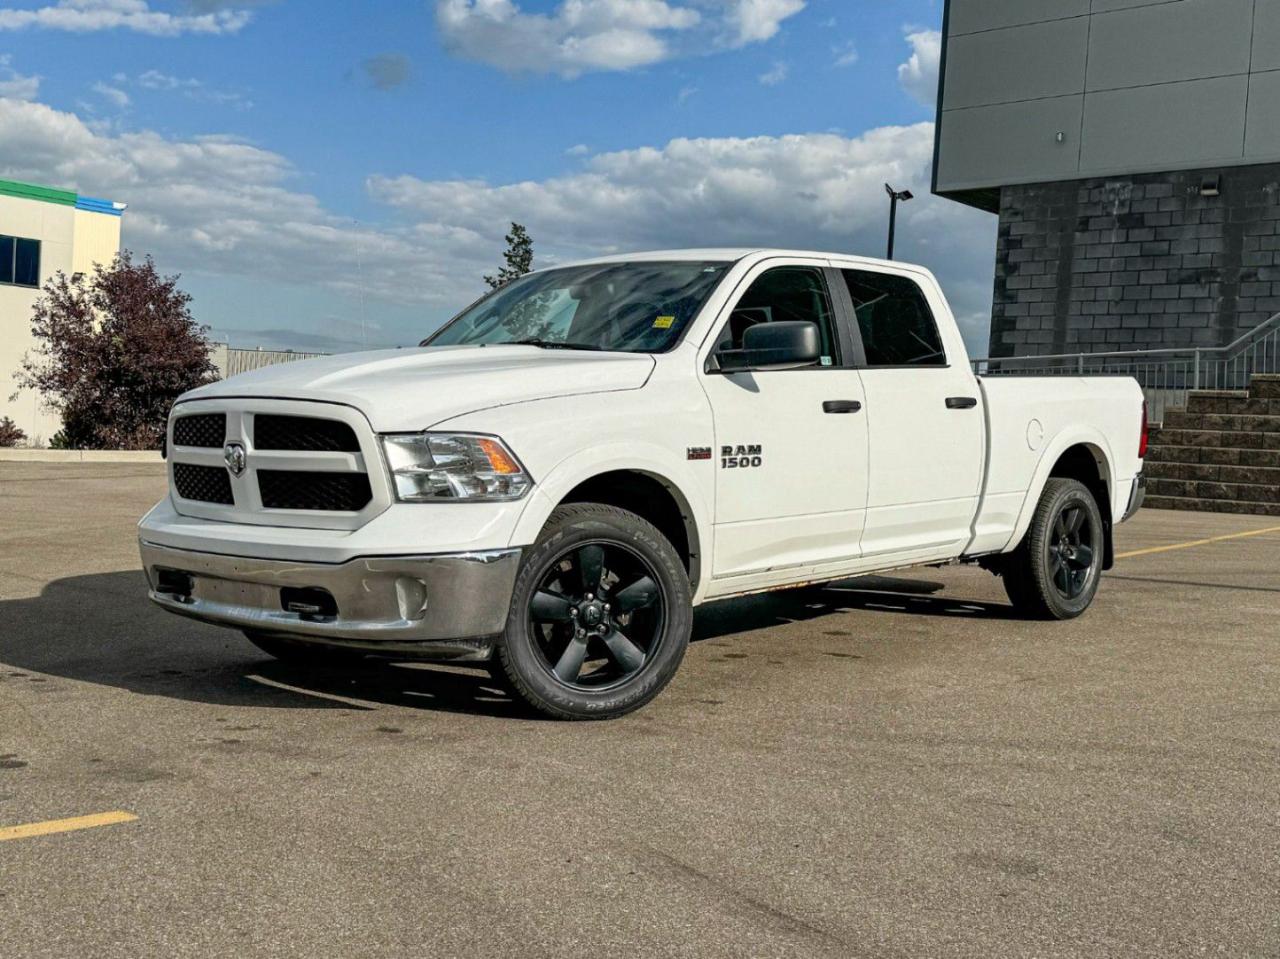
(1241, 342)
(1167, 374)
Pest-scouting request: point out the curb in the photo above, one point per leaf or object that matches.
(79, 456)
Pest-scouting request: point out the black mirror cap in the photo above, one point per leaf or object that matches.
(785, 345)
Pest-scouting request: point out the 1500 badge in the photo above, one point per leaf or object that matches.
(741, 457)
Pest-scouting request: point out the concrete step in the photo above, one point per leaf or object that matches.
(1212, 505)
(1192, 489)
(1217, 456)
(1265, 386)
(1235, 403)
(1185, 420)
(1215, 473)
(1227, 439)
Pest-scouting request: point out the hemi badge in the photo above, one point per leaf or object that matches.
(699, 452)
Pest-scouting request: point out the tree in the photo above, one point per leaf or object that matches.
(113, 352)
(10, 433)
(519, 258)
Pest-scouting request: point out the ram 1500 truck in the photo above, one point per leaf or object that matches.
(554, 480)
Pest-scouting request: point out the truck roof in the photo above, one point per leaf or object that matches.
(733, 254)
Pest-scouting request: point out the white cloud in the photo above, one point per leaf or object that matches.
(113, 95)
(87, 16)
(189, 87)
(229, 209)
(812, 191)
(15, 85)
(583, 36)
(578, 150)
(846, 55)
(751, 21)
(775, 74)
(919, 75)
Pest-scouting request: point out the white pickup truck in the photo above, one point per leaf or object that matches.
(554, 480)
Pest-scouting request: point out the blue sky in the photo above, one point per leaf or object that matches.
(329, 174)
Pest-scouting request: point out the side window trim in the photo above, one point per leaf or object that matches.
(860, 351)
(841, 343)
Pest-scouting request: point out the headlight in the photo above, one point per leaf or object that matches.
(434, 467)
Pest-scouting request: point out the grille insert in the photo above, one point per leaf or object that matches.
(207, 430)
(204, 484)
(328, 492)
(303, 433)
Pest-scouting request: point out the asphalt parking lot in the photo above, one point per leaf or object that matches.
(902, 769)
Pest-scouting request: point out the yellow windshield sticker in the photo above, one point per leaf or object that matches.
(664, 322)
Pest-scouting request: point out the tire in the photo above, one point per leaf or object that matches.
(1055, 571)
(574, 651)
(301, 652)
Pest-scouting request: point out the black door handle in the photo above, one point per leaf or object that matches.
(841, 406)
(961, 402)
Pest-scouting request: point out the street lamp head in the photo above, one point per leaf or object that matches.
(903, 195)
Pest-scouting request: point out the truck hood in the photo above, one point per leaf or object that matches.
(410, 390)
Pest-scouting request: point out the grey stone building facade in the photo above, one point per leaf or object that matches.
(1131, 149)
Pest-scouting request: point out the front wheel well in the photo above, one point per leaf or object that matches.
(652, 498)
(1088, 465)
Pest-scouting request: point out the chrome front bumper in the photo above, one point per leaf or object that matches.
(436, 605)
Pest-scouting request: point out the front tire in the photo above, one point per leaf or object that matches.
(600, 616)
(1055, 571)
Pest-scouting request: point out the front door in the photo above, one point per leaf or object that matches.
(791, 445)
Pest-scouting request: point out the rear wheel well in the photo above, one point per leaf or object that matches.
(652, 498)
(1088, 466)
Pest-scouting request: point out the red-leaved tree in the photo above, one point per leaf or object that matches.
(113, 352)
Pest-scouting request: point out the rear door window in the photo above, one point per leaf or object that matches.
(894, 320)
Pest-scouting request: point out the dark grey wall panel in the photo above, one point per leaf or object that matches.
(998, 144)
(1186, 40)
(1263, 139)
(1266, 36)
(1168, 87)
(1020, 63)
(968, 16)
(1174, 124)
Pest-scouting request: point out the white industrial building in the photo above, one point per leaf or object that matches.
(43, 231)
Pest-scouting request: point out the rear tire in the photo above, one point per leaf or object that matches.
(600, 615)
(301, 652)
(1055, 571)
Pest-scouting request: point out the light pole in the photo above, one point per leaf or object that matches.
(894, 197)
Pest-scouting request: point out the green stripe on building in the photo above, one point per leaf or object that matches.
(29, 191)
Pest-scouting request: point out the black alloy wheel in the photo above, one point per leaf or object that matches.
(1071, 551)
(597, 616)
(1055, 571)
(600, 615)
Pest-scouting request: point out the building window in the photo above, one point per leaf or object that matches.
(19, 261)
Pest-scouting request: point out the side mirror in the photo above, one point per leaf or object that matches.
(785, 345)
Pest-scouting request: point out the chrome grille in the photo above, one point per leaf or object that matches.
(206, 431)
(271, 432)
(203, 484)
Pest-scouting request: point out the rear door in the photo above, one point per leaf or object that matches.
(791, 445)
(924, 416)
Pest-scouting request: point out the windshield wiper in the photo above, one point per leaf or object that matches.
(550, 345)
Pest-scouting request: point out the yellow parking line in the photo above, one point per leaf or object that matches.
(65, 825)
(1196, 542)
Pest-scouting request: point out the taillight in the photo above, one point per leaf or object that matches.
(1142, 441)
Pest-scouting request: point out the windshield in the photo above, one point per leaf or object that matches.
(626, 307)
